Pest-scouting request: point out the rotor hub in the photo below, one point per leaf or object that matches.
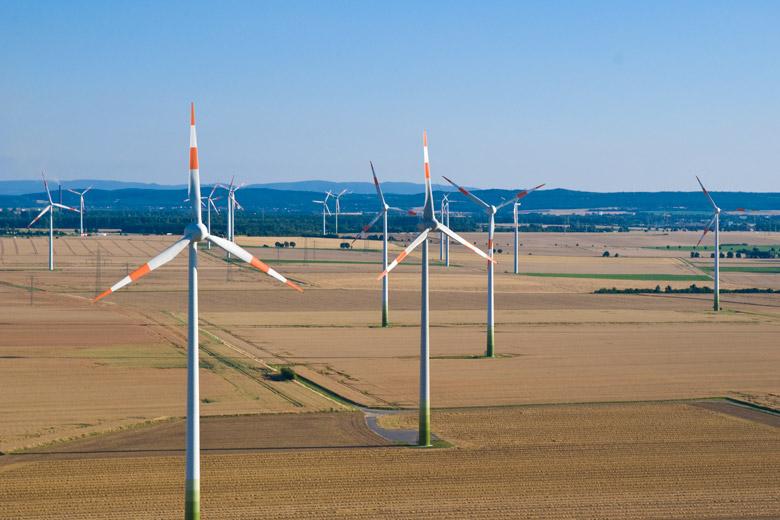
(196, 231)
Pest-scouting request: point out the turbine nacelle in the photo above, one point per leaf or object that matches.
(196, 232)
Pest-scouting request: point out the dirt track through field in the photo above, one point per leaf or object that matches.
(743, 412)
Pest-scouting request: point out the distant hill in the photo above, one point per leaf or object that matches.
(288, 201)
(24, 187)
(365, 188)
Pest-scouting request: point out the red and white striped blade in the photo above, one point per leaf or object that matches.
(161, 259)
(706, 193)
(706, 230)
(85, 191)
(428, 212)
(247, 257)
(453, 235)
(73, 191)
(42, 213)
(376, 183)
(46, 186)
(214, 189)
(476, 199)
(519, 196)
(368, 226)
(416, 242)
(342, 193)
(211, 201)
(65, 207)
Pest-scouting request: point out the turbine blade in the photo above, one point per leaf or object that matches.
(368, 226)
(65, 207)
(465, 242)
(42, 213)
(72, 191)
(416, 242)
(85, 191)
(46, 186)
(342, 193)
(519, 195)
(247, 257)
(376, 183)
(706, 230)
(213, 189)
(161, 259)
(706, 193)
(214, 205)
(474, 198)
(428, 208)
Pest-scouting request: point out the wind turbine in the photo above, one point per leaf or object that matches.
(384, 210)
(338, 207)
(715, 220)
(50, 208)
(324, 209)
(194, 232)
(81, 196)
(209, 204)
(430, 225)
(491, 211)
(231, 207)
(444, 200)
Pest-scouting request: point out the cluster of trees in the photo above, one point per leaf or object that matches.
(686, 290)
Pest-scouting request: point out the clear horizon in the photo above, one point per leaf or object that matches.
(603, 97)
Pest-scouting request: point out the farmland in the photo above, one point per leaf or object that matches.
(94, 394)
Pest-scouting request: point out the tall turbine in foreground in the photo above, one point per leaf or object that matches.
(194, 232)
(81, 207)
(430, 225)
(50, 208)
(324, 209)
(385, 209)
(491, 211)
(715, 220)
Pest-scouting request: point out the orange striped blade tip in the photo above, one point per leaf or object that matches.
(138, 273)
(193, 158)
(425, 139)
(384, 273)
(288, 282)
(192, 114)
(106, 293)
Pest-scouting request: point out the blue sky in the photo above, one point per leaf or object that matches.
(599, 95)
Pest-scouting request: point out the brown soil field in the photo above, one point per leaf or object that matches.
(645, 461)
(69, 369)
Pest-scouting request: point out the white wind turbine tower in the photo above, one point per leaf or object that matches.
(210, 204)
(232, 203)
(194, 232)
(385, 209)
(715, 220)
(50, 208)
(491, 211)
(324, 209)
(430, 225)
(338, 206)
(81, 197)
(444, 200)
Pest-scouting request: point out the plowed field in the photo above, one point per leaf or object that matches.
(646, 461)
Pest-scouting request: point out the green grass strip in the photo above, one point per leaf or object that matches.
(648, 277)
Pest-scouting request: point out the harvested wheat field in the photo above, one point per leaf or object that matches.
(643, 461)
(96, 393)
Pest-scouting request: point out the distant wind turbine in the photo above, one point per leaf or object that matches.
(194, 232)
(491, 211)
(324, 209)
(715, 220)
(383, 212)
(50, 208)
(210, 204)
(430, 225)
(338, 207)
(81, 197)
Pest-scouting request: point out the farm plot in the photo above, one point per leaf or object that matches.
(71, 369)
(643, 461)
(546, 363)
